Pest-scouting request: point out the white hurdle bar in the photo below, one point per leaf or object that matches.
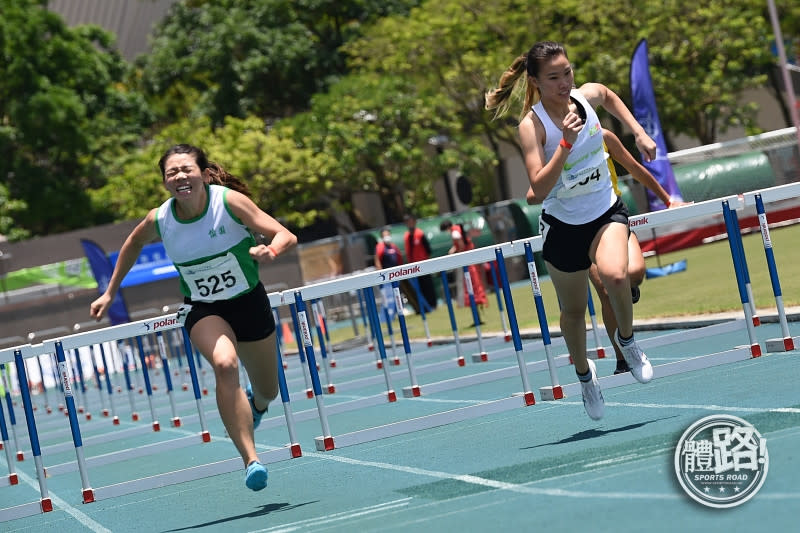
(90, 494)
(697, 210)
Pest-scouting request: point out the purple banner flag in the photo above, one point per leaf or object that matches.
(646, 113)
(102, 269)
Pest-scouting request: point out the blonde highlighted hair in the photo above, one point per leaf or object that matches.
(500, 98)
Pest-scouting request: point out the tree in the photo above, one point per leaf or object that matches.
(283, 179)
(62, 105)
(251, 57)
(704, 56)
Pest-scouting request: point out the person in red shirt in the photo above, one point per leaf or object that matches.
(387, 254)
(418, 248)
(462, 243)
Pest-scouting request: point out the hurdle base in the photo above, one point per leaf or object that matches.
(88, 416)
(551, 393)
(412, 392)
(135, 417)
(88, 495)
(46, 504)
(429, 343)
(596, 353)
(296, 451)
(309, 393)
(481, 357)
(205, 436)
(780, 345)
(115, 421)
(755, 350)
(49, 409)
(379, 364)
(331, 388)
(20, 456)
(13, 479)
(507, 337)
(460, 361)
(396, 361)
(185, 386)
(332, 363)
(756, 321)
(391, 396)
(324, 444)
(156, 426)
(176, 422)
(106, 412)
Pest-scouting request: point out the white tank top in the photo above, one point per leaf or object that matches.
(583, 191)
(211, 251)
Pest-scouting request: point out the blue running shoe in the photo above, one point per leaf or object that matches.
(256, 413)
(255, 476)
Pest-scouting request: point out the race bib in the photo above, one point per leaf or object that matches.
(580, 182)
(220, 278)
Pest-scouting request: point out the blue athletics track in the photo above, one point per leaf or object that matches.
(434, 435)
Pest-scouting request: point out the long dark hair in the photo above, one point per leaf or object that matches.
(499, 98)
(217, 174)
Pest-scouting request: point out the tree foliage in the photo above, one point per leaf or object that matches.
(62, 105)
(310, 101)
(252, 57)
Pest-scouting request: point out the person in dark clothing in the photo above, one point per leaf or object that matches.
(418, 248)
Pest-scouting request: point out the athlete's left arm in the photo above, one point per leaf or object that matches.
(599, 95)
(281, 239)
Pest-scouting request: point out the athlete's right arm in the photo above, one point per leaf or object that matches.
(142, 234)
(543, 175)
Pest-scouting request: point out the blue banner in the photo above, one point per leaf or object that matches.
(151, 265)
(102, 270)
(646, 113)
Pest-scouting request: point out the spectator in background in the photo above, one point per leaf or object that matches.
(462, 243)
(418, 248)
(387, 255)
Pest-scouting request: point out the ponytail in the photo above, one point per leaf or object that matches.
(500, 98)
(220, 176)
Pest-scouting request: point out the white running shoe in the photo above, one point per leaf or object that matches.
(592, 395)
(640, 366)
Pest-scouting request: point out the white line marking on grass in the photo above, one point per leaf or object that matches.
(67, 508)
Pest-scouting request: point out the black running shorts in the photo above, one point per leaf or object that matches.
(566, 246)
(249, 315)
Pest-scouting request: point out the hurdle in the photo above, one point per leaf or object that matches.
(367, 281)
(698, 210)
(10, 404)
(481, 356)
(774, 194)
(499, 297)
(740, 269)
(89, 494)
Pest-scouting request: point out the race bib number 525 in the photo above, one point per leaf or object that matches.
(220, 278)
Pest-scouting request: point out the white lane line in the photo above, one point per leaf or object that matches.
(67, 508)
(490, 483)
(335, 517)
(702, 407)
